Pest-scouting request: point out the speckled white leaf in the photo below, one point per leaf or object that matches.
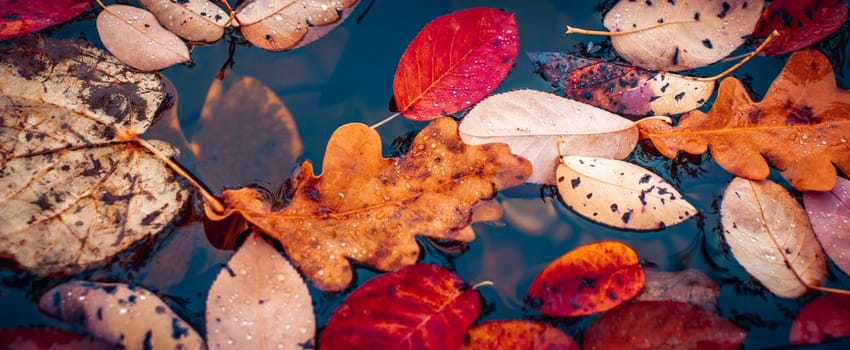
(829, 213)
(699, 32)
(770, 236)
(286, 24)
(137, 39)
(531, 122)
(131, 317)
(620, 194)
(259, 301)
(195, 20)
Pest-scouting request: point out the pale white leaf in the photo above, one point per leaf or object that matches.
(194, 20)
(137, 39)
(286, 24)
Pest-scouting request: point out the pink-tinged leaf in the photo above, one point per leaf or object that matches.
(135, 37)
(193, 20)
(688, 286)
(800, 23)
(18, 18)
(32, 338)
(259, 299)
(420, 306)
(517, 334)
(829, 213)
(824, 318)
(662, 325)
(455, 61)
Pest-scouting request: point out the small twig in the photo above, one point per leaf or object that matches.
(386, 120)
(482, 284)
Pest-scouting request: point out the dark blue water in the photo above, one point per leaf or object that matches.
(347, 77)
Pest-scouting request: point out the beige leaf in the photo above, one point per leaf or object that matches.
(73, 191)
(770, 236)
(258, 300)
(136, 38)
(531, 122)
(194, 20)
(286, 24)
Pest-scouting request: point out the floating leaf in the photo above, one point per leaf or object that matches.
(662, 325)
(517, 334)
(193, 20)
(679, 35)
(829, 213)
(74, 189)
(18, 18)
(257, 300)
(827, 317)
(131, 317)
(285, 24)
(531, 122)
(136, 38)
(769, 234)
(420, 306)
(801, 22)
(620, 194)
(801, 127)
(368, 209)
(688, 286)
(455, 61)
(48, 339)
(589, 279)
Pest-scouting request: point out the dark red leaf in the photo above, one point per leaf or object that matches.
(420, 306)
(662, 325)
(825, 317)
(47, 338)
(18, 18)
(455, 61)
(800, 23)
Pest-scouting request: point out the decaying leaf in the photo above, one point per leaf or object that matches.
(285, 24)
(420, 306)
(531, 122)
(769, 234)
(137, 39)
(620, 194)
(73, 191)
(367, 208)
(621, 88)
(257, 300)
(801, 22)
(829, 213)
(517, 334)
(801, 127)
(193, 20)
(688, 286)
(686, 34)
(827, 317)
(18, 18)
(48, 339)
(133, 318)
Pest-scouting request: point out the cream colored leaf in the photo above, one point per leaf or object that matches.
(135, 37)
(620, 194)
(259, 301)
(769, 234)
(531, 122)
(286, 24)
(193, 20)
(692, 34)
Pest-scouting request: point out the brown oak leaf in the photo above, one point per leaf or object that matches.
(801, 127)
(367, 208)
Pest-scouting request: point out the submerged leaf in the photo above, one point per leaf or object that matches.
(827, 317)
(136, 38)
(517, 334)
(769, 234)
(455, 61)
(829, 213)
(531, 122)
(688, 286)
(368, 209)
(193, 20)
(801, 23)
(48, 339)
(285, 24)
(18, 18)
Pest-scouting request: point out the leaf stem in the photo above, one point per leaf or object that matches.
(740, 63)
(573, 30)
(386, 120)
(482, 284)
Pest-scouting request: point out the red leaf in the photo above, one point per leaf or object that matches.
(455, 61)
(801, 23)
(420, 306)
(47, 338)
(587, 280)
(825, 317)
(662, 325)
(18, 18)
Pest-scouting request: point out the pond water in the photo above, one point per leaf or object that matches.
(347, 77)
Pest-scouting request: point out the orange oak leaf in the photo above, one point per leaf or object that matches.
(367, 208)
(801, 127)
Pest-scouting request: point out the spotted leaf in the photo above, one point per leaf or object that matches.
(193, 20)
(801, 22)
(277, 25)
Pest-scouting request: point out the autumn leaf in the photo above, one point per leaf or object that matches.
(420, 306)
(48, 339)
(662, 325)
(531, 122)
(769, 234)
(455, 61)
(282, 25)
(827, 317)
(829, 213)
(589, 279)
(135, 37)
(801, 22)
(517, 334)
(75, 189)
(368, 209)
(688, 286)
(193, 20)
(131, 317)
(801, 127)
(18, 18)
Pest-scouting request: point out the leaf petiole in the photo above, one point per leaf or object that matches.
(573, 30)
